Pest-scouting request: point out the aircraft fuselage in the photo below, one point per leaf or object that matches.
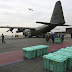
(42, 30)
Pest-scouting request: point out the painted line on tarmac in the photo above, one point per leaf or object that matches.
(12, 62)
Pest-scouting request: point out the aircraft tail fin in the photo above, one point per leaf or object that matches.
(57, 16)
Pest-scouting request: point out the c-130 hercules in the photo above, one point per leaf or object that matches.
(57, 19)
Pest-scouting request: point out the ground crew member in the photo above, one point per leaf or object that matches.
(47, 37)
(55, 35)
(3, 38)
(52, 37)
(62, 38)
(59, 35)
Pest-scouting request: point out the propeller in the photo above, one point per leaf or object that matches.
(10, 29)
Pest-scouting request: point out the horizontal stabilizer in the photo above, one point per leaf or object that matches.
(44, 23)
(65, 25)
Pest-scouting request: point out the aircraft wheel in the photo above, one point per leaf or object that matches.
(25, 35)
(43, 36)
(37, 36)
(30, 36)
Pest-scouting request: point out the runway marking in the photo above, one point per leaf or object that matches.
(16, 56)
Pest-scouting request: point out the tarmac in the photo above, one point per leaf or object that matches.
(27, 65)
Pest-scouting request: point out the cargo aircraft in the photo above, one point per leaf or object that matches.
(57, 19)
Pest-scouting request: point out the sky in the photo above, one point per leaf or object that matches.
(16, 13)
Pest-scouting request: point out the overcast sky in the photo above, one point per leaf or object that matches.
(16, 13)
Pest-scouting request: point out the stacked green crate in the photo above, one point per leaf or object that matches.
(71, 47)
(24, 51)
(57, 40)
(68, 54)
(39, 50)
(59, 62)
(46, 62)
(35, 51)
(61, 50)
(44, 49)
(68, 48)
(29, 53)
(55, 63)
(69, 63)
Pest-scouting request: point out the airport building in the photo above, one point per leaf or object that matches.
(69, 30)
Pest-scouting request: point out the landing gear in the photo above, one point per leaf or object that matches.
(30, 36)
(37, 36)
(25, 36)
(43, 36)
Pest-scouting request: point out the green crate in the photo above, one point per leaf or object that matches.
(46, 62)
(45, 50)
(42, 51)
(68, 50)
(68, 47)
(55, 66)
(69, 63)
(62, 49)
(60, 66)
(68, 54)
(35, 51)
(57, 40)
(55, 63)
(39, 52)
(30, 54)
(24, 53)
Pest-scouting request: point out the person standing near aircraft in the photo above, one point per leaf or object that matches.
(3, 39)
(55, 35)
(52, 37)
(62, 38)
(47, 37)
(59, 35)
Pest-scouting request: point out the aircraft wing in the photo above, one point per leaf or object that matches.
(17, 27)
(20, 29)
(43, 23)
